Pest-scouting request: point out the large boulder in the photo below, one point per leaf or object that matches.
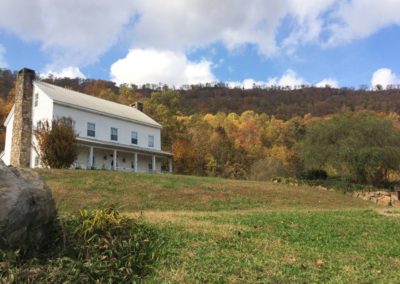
(27, 208)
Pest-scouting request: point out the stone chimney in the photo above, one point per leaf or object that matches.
(22, 127)
(138, 106)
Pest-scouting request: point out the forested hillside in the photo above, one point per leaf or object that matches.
(257, 133)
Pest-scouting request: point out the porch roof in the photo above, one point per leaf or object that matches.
(122, 147)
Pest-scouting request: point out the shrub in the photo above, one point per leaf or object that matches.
(361, 146)
(268, 168)
(314, 174)
(56, 143)
(99, 246)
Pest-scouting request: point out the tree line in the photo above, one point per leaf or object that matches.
(361, 146)
(282, 102)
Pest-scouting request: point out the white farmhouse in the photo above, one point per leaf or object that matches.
(110, 135)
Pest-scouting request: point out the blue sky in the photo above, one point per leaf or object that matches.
(345, 43)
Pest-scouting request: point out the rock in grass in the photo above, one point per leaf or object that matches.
(27, 208)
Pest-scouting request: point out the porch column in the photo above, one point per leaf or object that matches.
(135, 163)
(115, 160)
(170, 165)
(90, 165)
(154, 164)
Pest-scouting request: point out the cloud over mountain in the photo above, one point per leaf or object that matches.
(384, 77)
(141, 66)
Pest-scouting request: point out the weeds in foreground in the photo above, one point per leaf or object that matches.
(97, 246)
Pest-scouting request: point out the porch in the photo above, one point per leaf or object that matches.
(114, 156)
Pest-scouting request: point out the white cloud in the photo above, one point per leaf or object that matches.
(309, 24)
(141, 66)
(327, 82)
(72, 31)
(3, 62)
(384, 77)
(358, 19)
(77, 32)
(259, 22)
(67, 72)
(247, 84)
(288, 79)
(250, 83)
(177, 24)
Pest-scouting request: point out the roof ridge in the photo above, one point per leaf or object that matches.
(90, 102)
(81, 93)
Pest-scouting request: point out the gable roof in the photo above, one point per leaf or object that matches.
(85, 102)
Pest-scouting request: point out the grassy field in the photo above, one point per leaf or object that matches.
(226, 231)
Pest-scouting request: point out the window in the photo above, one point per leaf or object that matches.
(114, 134)
(39, 125)
(134, 137)
(91, 129)
(151, 141)
(36, 162)
(36, 99)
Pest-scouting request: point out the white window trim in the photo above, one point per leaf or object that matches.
(111, 133)
(137, 137)
(87, 130)
(150, 140)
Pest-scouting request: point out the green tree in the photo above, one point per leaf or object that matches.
(164, 108)
(361, 146)
(56, 143)
(127, 95)
(170, 99)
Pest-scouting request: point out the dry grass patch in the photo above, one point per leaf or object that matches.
(135, 192)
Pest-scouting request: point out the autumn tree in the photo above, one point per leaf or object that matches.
(199, 132)
(56, 143)
(5, 107)
(184, 156)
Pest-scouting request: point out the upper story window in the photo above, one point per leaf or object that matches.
(114, 134)
(91, 129)
(134, 137)
(36, 99)
(36, 162)
(151, 141)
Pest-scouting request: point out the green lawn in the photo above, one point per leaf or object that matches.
(226, 231)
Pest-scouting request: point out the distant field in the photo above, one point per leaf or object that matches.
(227, 231)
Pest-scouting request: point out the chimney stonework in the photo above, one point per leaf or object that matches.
(22, 126)
(139, 106)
